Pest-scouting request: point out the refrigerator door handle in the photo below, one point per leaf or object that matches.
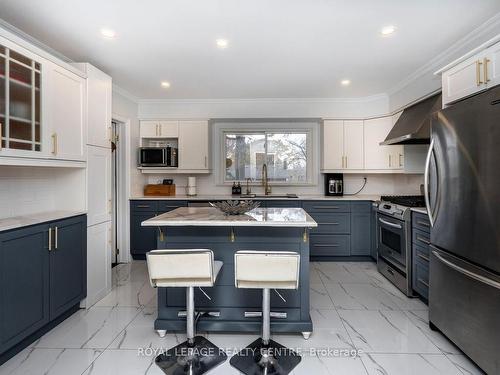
(426, 183)
(465, 272)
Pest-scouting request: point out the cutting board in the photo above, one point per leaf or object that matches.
(159, 190)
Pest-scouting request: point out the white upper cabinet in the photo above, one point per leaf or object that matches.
(471, 75)
(333, 144)
(378, 157)
(99, 185)
(66, 114)
(342, 145)
(353, 144)
(159, 129)
(193, 146)
(99, 111)
(168, 129)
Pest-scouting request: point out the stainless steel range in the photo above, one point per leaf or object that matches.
(394, 239)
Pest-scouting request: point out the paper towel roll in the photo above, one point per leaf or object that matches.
(191, 181)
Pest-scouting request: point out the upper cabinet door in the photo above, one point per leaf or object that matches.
(353, 144)
(99, 97)
(193, 145)
(150, 129)
(21, 123)
(491, 65)
(169, 129)
(377, 156)
(66, 113)
(463, 80)
(333, 144)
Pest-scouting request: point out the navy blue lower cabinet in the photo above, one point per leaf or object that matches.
(68, 264)
(420, 254)
(24, 284)
(143, 239)
(43, 278)
(374, 234)
(361, 222)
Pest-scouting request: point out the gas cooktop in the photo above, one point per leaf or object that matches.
(405, 200)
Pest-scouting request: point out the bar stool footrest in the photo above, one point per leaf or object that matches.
(198, 359)
(273, 359)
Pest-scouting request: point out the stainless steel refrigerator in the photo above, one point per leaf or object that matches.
(463, 201)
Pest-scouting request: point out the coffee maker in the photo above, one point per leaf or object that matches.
(334, 184)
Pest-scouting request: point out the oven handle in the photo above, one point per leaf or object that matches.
(390, 224)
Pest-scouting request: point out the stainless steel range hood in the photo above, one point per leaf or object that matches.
(414, 124)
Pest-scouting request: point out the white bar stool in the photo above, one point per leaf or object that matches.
(266, 270)
(186, 268)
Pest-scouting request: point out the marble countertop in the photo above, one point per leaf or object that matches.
(358, 197)
(32, 219)
(210, 216)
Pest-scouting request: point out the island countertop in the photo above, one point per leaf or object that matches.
(210, 216)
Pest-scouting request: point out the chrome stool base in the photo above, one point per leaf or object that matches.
(195, 359)
(271, 359)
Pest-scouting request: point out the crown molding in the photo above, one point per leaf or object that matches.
(121, 91)
(449, 54)
(365, 99)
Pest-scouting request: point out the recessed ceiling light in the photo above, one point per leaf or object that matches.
(108, 33)
(165, 84)
(387, 30)
(345, 82)
(222, 43)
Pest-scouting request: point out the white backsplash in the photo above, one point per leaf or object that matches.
(377, 184)
(29, 190)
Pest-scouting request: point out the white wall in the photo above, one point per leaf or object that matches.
(128, 108)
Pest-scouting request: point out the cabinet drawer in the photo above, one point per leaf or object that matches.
(420, 238)
(145, 205)
(321, 245)
(165, 206)
(421, 278)
(329, 223)
(364, 207)
(283, 203)
(421, 253)
(326, 206)
(421, 222)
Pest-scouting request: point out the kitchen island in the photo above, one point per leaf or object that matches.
(227, 308)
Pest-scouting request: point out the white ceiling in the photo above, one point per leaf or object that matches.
(277, 48)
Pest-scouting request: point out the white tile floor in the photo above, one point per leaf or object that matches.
(352, 307)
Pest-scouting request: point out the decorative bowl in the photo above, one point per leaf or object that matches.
(235, 207)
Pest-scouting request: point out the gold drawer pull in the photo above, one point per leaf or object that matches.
(423, 257)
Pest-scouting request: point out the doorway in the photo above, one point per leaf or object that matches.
(117, 184)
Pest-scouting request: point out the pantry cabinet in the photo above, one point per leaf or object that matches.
(471, 75)
(343, 145)
(99, 184)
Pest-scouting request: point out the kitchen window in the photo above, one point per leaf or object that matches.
(287, 154)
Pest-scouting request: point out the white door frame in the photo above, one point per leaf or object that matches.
(123, 225)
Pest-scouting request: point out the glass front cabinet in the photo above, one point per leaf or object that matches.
(20, 102)
(41, 107)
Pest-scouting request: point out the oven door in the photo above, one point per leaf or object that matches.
(152, 157)
(392, 240)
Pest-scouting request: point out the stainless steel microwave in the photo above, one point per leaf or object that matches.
(158, 157)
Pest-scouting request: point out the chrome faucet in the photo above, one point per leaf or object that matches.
(265, 180)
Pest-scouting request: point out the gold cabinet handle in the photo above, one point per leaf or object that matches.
(50, 239)
(56, 238)
(54, 144)
(478, 73)
(400, 162)
(0, 136)
(346, 161)
(485, 69)
(159, 129)
(390, 161)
